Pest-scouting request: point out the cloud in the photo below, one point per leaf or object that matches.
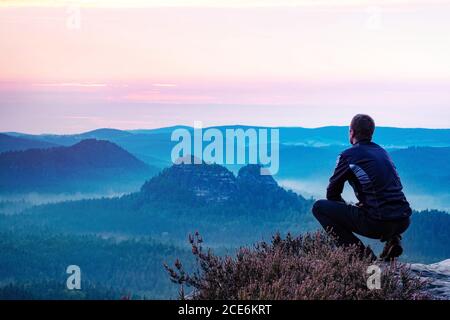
(70, 84)
(155, 96)
(164, 85)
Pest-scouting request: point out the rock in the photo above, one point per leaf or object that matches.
(438, 274)
(250, 175)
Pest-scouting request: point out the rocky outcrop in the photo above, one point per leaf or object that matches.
(214, 184)
(201, 183)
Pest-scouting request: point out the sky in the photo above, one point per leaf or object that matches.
(73, 66)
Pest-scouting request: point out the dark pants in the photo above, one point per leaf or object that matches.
(343, 220)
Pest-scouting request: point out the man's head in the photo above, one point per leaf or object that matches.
(362, 127)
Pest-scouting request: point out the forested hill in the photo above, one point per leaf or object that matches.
(85, 166)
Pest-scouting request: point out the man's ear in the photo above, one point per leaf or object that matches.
(351, 135)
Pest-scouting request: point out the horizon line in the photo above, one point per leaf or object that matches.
(208, 127)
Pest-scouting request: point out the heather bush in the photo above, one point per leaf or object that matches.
(302, 268)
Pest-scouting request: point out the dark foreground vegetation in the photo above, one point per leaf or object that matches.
(306, 267)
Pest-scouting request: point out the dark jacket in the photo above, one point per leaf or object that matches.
(374, 178)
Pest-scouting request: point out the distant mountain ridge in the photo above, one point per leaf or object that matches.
(87, 165)
(154, 146)
(323, 136)
(11, 143)
(71, 139)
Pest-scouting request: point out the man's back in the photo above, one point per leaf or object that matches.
(373, 176)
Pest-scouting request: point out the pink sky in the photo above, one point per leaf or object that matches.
(149, 64)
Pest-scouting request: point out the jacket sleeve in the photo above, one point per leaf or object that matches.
(337, 181)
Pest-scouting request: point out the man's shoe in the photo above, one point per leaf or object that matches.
(393, 249)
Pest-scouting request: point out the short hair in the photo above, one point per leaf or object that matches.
(363, 126)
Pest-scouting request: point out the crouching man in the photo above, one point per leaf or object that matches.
(382, 212)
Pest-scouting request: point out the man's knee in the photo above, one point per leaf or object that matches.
(318, 208)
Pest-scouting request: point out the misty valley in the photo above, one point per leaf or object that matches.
(112, 202)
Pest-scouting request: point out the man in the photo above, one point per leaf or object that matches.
(382, 212)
